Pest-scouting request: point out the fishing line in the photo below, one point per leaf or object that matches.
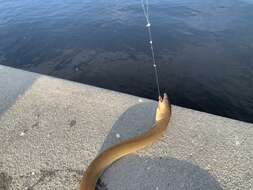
(145, 7)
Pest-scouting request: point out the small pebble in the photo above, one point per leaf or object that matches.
(156, 188)
(33, 173)
(118, 135)
(148, 168)
(22, 134)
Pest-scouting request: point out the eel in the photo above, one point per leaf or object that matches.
(106, 158)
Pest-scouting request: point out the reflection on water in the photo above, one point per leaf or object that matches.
(204, 48)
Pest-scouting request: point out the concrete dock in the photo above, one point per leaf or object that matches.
(51, 129)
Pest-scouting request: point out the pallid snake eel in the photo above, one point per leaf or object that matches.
(106, 158)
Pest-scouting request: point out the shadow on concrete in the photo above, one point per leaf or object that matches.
(5, 181)
(14, 83)
(135, 172)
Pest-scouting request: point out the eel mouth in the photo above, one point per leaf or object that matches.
(163, 110)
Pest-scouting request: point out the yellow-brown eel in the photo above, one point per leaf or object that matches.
(106, 158)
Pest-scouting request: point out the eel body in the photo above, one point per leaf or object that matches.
(106, 158)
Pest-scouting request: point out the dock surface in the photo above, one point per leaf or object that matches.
(51, 129)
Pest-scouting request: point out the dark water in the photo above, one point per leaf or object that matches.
(204, 48)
